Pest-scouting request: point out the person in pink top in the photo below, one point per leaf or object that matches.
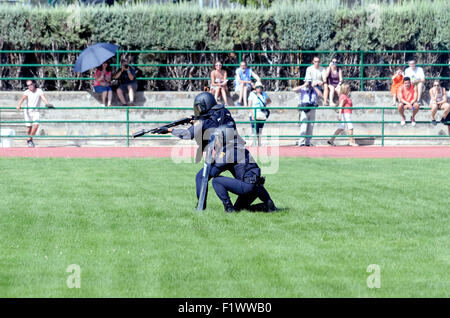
(345, 115)
(102, 82)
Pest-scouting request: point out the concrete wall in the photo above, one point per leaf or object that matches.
(184, 99)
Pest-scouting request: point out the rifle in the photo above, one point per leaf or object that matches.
(201, 204)
(163, 129)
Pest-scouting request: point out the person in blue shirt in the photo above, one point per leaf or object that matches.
(308, 98)
(243, 82)
(127, 82)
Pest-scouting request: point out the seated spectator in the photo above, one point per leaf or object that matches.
(345, 115)
(219, 82)
(333, 80)
(316, 73)
(438, 100)
(127, 82)
(308, 98)
(397, 81)
(102, 82)
(243, 82)
(259, 100)
(417, 78)
(407, 96)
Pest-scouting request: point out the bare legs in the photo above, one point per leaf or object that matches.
(420, 89)
(329, 91)
(435, 108)
(243, 94)
(221, 91)
(107, 94)
(401, 109)
(130, 94)
(340, 131)
(31, 131)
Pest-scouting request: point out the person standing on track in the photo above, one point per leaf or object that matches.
(345, 115)
(33, 95)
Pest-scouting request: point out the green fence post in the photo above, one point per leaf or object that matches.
(382, 127)
(362, 70)
(128, 127)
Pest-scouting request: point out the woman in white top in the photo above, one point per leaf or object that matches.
(219, 82)
(257, 101)
(438, 100)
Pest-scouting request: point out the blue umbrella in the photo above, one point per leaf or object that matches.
(94, 56)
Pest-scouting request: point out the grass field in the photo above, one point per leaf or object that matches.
(131, 226)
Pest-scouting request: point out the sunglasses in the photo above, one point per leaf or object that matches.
(218, 64)
(436, 85)
(259, 87)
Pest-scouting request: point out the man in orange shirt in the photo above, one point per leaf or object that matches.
(407, 96)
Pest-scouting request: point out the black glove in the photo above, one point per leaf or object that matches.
(163, 131)
(49, 106)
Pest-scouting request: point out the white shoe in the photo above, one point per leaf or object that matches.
(403, 122)
(413, 122)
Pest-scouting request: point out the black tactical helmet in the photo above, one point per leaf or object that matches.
(203, 102)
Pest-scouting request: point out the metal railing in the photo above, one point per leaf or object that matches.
(128, 136)
(239, 54)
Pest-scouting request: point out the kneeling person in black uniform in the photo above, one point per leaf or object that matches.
(230, 154)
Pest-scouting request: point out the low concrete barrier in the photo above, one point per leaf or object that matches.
(184, 99)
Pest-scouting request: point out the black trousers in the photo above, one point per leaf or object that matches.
(247, 192)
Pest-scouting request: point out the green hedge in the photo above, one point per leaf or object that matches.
(311, 25)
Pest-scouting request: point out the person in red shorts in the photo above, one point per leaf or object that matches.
(407, 96)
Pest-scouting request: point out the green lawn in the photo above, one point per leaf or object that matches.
(131, 226)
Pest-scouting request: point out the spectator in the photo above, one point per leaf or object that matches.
(219, 82)
(259, 100)
(438, 100)
(333, 80)
(243, 82)
(345, 115)
(316, 73)
(407, 97)
(33, 95)
(102, 82)
(127, 82)
(308, 98)
(417, 78)
(397, 81)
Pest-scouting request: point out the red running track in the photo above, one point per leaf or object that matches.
(283, 151)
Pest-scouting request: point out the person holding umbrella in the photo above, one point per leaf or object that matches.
(102, 82)
(127, 82)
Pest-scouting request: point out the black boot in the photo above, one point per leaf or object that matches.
(229, 208)
(271, 206)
